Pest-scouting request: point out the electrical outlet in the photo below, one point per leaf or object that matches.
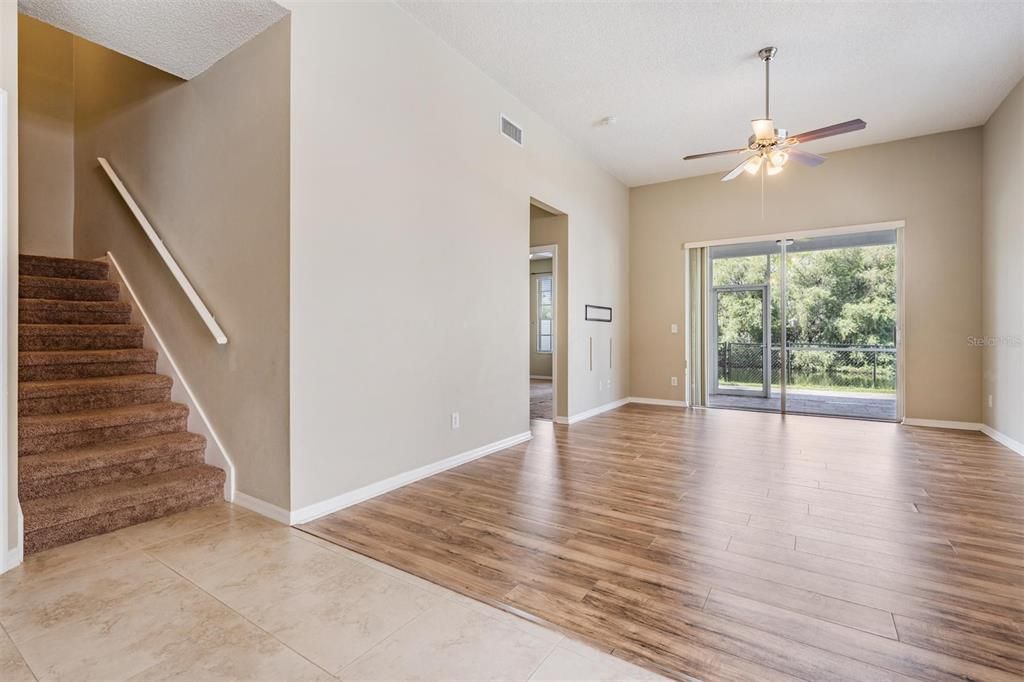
(675, 328)
(456, 421)
(990, 400)
(675, 381)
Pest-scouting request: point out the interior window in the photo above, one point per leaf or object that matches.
(545, 329)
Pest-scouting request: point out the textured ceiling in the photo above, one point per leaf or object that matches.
(182, 37)
(684, 78)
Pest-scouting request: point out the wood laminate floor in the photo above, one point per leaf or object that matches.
(731, 545)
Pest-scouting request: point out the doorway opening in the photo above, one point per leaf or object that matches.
(805, 323)
(548, 328)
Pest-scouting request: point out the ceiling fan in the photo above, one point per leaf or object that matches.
(772, 147)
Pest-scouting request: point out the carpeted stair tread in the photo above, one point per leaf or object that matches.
(60, 387)
(71, 395)
(79, 336)
(67, 289)
(94, 419)
(71, 364)
(55, 311)
(84, 357)
(34, 468)
(64, 510)
(48, 266)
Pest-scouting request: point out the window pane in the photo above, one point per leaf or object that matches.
(545, 311)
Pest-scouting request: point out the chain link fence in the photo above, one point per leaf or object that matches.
(817, 366)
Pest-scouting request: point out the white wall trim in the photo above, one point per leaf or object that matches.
(216, 454)
(801, 234)
(659, 401)
(263, 508)
(9, 556)
(580, 416)
(15, 555)
(556, 314)
(1003, 439)
(997, 436)
(358, 495)
(942, 424)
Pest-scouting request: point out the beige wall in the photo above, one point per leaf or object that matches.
(545, 231)
(396, 156)
(207, 160)
(9, 83)
(932, 182)
(47, 144)
(540, 363)
(1002, 270)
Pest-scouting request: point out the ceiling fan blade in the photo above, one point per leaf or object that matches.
(734, 173)
(829, 131)
(691, 157)
(806, 158)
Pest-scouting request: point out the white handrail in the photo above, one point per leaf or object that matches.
(186, 286)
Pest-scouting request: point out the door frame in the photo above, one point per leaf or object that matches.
(766, 335)
(898, 226)
(553, 250)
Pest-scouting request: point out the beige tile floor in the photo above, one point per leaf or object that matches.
(221, 593)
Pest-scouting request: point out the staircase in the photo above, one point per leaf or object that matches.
(100, 444)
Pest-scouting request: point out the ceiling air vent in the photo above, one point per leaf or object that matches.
(511, 130)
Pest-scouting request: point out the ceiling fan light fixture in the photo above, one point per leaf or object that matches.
(764, 129)
(771, 147)
(754, 164)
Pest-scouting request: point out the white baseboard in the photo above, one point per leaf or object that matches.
(1003, 439)
(942, 424)
(12, 558)
(580, 416)
(997, 436)
(198, 422)
(15, 555)
(618, 403)
(264, 508)
(658, 401)
(540, 376)
(315, 511)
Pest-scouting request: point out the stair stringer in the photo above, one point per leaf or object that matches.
(216, 453)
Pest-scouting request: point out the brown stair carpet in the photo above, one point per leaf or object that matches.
(100, 444)
(70, 395)
(44, 311)
(44, 365)
(67, 289)
(79, 336)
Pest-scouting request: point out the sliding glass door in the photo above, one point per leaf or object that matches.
(743, 326)
(836, 352)
(841, 312)
(741, 317)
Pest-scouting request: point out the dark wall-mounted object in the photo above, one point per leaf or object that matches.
(597, 313)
